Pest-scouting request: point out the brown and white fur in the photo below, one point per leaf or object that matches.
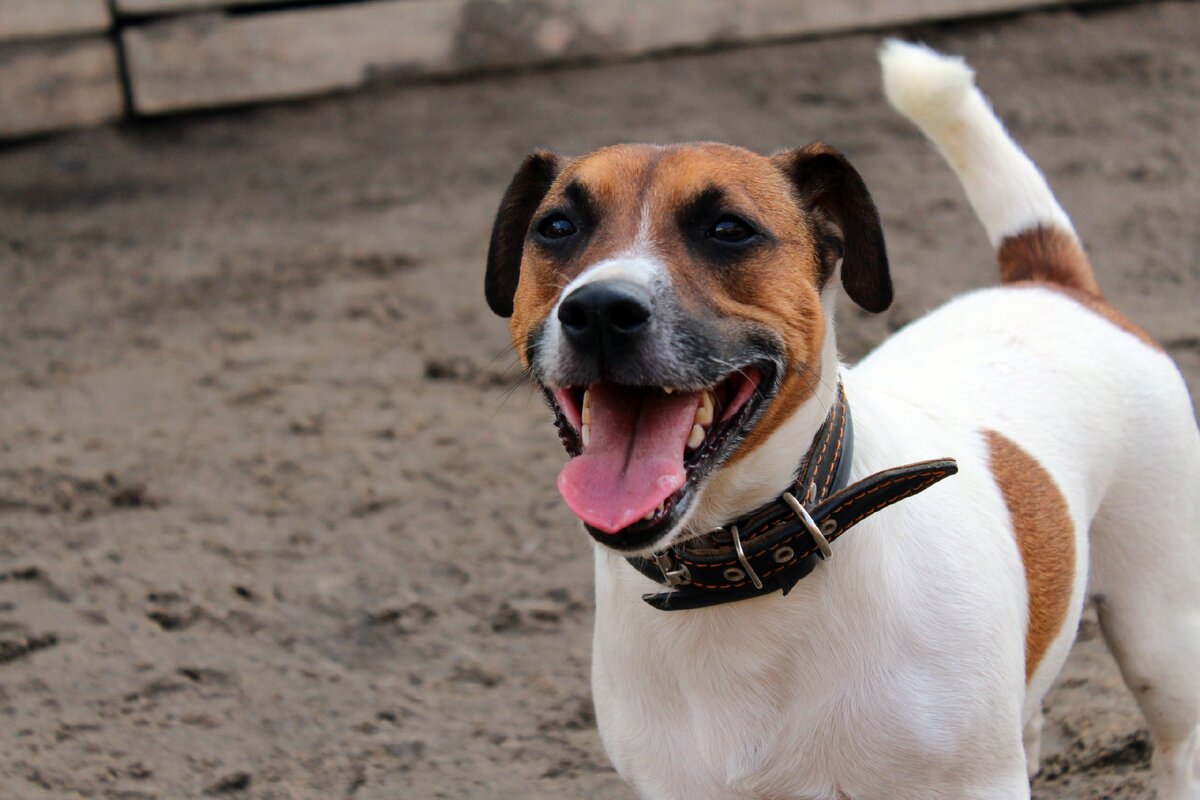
(913, 663)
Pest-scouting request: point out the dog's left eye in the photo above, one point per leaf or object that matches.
(731, 230)
(556, 226)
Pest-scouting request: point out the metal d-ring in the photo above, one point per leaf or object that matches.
(809, 524)
(741, 554)
(672, 576)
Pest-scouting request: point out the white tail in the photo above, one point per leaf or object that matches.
(938, 93)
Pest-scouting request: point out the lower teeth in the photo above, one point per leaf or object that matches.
(651, 514)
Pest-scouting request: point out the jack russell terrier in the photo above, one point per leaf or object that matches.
(675, 305)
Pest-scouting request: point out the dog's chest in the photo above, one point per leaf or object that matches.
(729, 728)
(702, 743)
(829, 695)
(758, 731)
(755, 730)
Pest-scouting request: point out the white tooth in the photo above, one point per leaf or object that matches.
(586, 414)
(696, 437)
(649, 515)
(585, 433)
(668, 390)
(704, 411)
(661, 507)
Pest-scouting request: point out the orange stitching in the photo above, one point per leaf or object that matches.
(902, 496)
(718, 585)
(905, 494)
(788, 540)
(766, 574)
(820, 457)
(842, 438)
(915, 489)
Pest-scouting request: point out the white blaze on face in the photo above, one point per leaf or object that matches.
(634, 439)
(638, 264)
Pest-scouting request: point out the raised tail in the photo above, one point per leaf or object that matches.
(1033, 235)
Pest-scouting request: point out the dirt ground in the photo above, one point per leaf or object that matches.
(277, 517)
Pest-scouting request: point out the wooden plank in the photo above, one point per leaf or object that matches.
(35, 19)
(212, 60)
(49, 86)
(140, 7)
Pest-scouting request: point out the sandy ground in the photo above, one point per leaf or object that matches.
(277, 519)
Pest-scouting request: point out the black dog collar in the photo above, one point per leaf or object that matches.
(773, 547)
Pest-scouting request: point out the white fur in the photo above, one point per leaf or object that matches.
(896, 669)
(938, 94)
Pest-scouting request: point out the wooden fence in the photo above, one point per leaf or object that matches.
(70, 63)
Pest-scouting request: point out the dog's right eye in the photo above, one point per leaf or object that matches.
(556, 226)
(731, 230)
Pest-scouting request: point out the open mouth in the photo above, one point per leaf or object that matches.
(638, 452)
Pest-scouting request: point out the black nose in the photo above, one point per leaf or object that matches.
(605, 317)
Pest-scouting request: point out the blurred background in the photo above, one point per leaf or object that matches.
(277, 511)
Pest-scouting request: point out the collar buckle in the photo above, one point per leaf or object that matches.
(672, 575)
(741, 554)
(810, 525)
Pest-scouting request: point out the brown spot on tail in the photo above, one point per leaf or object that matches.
(1045, 538)
(1051, 258)
(1049, 255)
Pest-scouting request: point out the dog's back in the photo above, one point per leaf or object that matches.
(1092, 430)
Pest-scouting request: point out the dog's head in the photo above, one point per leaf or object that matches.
(668, 301)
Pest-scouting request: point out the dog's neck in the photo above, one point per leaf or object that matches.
(760, 476)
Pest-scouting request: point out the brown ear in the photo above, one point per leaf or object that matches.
(826, 184)
(521, 199)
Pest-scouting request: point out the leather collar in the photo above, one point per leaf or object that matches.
(777, 544)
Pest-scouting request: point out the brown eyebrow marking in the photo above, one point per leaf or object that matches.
(705, 203)
(582, 199)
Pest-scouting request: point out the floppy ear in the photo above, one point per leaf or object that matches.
(521, 199)
(826, 184)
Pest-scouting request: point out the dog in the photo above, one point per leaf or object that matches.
(990, 466)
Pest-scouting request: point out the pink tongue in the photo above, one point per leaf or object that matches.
(634, 457)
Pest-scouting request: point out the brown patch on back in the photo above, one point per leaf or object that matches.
(1047, 254)
(1045, 538)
